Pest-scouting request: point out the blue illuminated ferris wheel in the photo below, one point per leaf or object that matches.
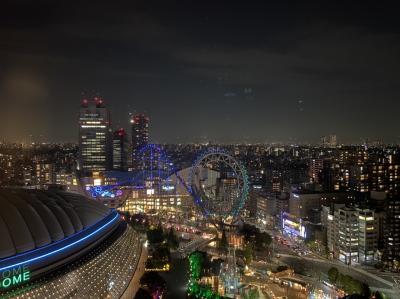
(219, 184)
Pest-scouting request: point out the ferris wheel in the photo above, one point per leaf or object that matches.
(219, 184)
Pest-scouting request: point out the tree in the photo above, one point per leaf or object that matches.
(248, 254)
(282, 268)
(333, 274)
(262, 240)
(353, 286)
(139, 222)
(172, 239)
(155, 235)
(251, 294)
(365, 290)
(378, 295)
(142, 294)
(153, 282)
(248, 232)
(347, 283)
(223, 242)
(339, 280)
(161, 253)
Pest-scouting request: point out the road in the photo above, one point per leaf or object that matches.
(187, 248)
(317, 268)
(292, 251)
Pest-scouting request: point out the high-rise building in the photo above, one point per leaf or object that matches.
(368, 234)
(95, 147)
(120, 150)
(359, 178)
(353, 233)
(391, 254)
(329, 141)
(378, 166)
(315, 170)
(273, 180)
(140, 136)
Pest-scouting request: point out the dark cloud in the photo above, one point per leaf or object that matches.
(177, 59)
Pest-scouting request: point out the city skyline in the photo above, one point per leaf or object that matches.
(199, 149)
(327, 140)
(221, 72)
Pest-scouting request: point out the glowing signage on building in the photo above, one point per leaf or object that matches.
(293, 226)
(14, 276)
(168, 188)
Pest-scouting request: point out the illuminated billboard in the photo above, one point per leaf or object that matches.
(293, 226)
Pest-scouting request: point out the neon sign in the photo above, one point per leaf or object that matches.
(14, 276)
(104, 191)
(168, 188)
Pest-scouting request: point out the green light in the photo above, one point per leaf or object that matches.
(14, 276)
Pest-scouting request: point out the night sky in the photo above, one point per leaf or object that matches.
(226, 71)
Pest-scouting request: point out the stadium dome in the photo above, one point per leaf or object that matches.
(41, 228)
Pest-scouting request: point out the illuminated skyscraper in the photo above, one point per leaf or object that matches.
(329, 141)
(391, 253)
(140, 135)
(95, 147)
(315, 170)
(120, 150)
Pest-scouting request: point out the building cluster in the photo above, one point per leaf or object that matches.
(346, 199)
(38, 165)
(103, 148)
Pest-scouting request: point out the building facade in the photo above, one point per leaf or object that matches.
(120, 150)
(353, 233)
(95, 153)
(391, 254)
(140, 136)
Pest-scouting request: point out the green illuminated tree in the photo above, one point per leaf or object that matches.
(196, 265)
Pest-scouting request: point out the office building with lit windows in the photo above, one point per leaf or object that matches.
(391, 254)
(120, 150)
(95, 145)
(353, 233)
(315, 170)
(140, 136)
(56, 244)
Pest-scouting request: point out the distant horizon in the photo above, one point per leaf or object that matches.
(370, 143)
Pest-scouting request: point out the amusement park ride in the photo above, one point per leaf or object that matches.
(219, 185)
(217, 182)
(154, 171)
